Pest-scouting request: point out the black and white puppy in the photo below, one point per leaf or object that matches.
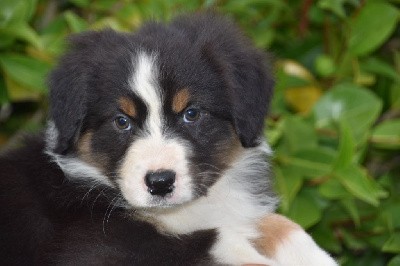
(153, 155)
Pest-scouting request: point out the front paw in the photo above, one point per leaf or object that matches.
(232, 248)
(286, 243)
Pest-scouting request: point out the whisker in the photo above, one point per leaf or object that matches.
(94, 202)
(113, 207)
(90, 190)
(105, 214)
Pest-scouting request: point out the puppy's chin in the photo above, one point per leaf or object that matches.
(157, 203)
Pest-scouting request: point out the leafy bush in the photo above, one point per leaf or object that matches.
(335, 117)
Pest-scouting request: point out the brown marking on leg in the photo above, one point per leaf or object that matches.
(127, 106)
(275, 229)
(180, 100)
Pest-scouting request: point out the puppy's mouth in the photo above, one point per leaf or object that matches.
(162, 202)
(155, 202)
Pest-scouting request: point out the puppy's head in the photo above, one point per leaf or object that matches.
(161, 114)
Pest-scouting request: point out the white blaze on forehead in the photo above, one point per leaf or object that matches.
(144, 83)
(152, 151)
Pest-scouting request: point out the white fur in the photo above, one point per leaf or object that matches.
(144, 83)
(152, 154)
(51, 135)
(230, 207)
(299, 249)
(74, 168)
(234, 249)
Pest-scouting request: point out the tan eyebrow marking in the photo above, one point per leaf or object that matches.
(128, 106)
(180, 100)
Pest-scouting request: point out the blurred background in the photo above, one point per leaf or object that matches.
(335, 118)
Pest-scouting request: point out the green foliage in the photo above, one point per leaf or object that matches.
(335, 117)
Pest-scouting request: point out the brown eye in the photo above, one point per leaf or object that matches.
(191, 115)
(122, 123)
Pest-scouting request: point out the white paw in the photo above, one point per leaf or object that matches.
(234, 249)
(299, 249)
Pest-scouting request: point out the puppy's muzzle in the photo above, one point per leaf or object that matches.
(160, 182)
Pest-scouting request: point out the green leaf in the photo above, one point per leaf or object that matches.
(332, 189)
(27, 71)
(395, 261)
(372, 27)
(387, 135)
(22, 31)
(103, 5)
(298, 134)
(356, 181)
(350, 206)
(323, 234)
(356, 106)
(353, 242)
(285, 81)
(312, 162)
(80, 3)
(13, 11)
(335, 6)
(288, 183)
(346, 147)
(305, 209)
(274, 130)
(391, 215)
(3, 92)
(395, 96)
(75, 23)
(392, 244)
(379, 66)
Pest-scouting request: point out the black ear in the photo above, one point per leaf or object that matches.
(68, 89)
(243, 68)
(251, 91)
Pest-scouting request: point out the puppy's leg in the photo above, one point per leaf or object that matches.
(287, 243)
(232, 248)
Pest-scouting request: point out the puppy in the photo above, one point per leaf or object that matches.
(153, 155)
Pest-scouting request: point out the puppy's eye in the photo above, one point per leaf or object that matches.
(122, 123)
(191, 115)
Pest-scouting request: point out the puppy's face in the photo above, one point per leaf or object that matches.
(159, 139)
(158, 119)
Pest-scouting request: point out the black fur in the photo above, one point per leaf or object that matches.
(47, 218)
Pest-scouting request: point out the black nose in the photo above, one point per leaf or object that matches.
(161, 182)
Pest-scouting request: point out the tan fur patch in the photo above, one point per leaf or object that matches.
(86, 154)
(274, 229)
(234, 148)
(229, 150)
(128, 106)
(180, 100)
(83, 146)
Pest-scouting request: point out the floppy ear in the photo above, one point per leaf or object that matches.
(251, 90)
(243, 68)
(68, 89)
